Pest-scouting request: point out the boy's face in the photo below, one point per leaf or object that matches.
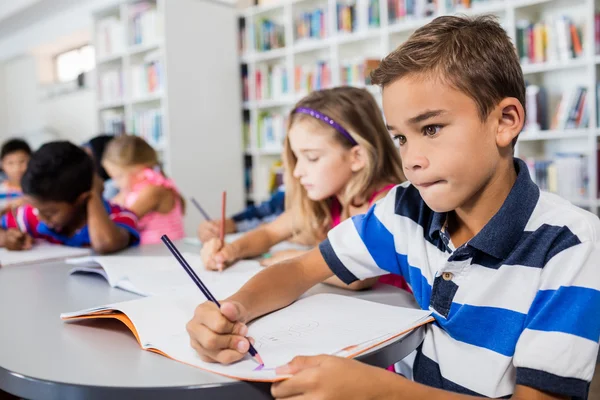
(14, 165)
(57, 215)
(447, 152)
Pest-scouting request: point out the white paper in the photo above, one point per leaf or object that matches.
(147, 275)
(41, 251)
(319, 324)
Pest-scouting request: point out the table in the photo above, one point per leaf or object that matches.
(41, 357)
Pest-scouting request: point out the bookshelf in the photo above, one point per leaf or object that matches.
(381, 25)
(152, 82)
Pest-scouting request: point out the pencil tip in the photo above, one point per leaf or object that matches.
(259, 359)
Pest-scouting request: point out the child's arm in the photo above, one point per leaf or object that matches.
(150, 199)
(336, 378)
(215, 255)
(12, 221)
(105, 236)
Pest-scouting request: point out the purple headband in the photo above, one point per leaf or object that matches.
(327, 120)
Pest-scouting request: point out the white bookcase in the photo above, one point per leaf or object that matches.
(337, 48)
(193, 43)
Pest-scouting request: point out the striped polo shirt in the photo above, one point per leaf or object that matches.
(518, 304)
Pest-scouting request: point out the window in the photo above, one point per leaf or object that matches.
(73, 62)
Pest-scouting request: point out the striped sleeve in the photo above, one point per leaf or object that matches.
(557, 350)
(23, 218)
(127, 220)
(362, 247)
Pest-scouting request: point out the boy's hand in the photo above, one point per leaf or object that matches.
(218, 335)
(211, 229)
(17, 240)
(330, 377)
(98, 185)
(217, 257)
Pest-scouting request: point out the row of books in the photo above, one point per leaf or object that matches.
(572, 112)
(271, 131)
(346, 16)
(311, 77)
(148, 124)
(147, 78)
(145, 23)
(565, 174)
(399, 10)
(271, 82)
(357, 73)
(268, 35)
(556, 39)
(311, 24)
(110, 36)
(110, 86)
(112, 122)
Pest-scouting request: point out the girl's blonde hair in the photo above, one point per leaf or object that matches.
(128, 150)
(357, 112)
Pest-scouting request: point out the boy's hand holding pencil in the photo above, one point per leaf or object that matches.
(16, 240)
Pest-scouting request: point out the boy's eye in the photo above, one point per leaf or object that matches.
(401, 139)
(431, 130)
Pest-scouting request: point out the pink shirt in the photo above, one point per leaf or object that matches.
(336, 214)
(154, 224)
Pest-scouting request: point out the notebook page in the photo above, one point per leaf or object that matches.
(40, 252)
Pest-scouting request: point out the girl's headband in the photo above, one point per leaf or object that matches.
(327, 120)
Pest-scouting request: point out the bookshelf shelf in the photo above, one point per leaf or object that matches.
(152, 97)
(535, 68)
(143, 48)
(109, 59)
(339, 49)
(112, 104)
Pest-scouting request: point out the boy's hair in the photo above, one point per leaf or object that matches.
(14, 145)
(58, 171)
(358, 113)
(129, 150)
(474, 55)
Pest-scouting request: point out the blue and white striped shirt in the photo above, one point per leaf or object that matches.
(518, 304)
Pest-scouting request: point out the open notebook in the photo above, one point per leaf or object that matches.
(319, 324)
(40, 252)
(148, 276)
(235, 236)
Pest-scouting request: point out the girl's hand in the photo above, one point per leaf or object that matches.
(280, 256)
(217, 257)
(330, 378)
(211, 229)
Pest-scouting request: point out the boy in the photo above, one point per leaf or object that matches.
(14, 157)
(510, 274)
(64, 205)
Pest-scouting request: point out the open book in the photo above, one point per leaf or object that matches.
(319, 324)
(150, 275)
(40, 252)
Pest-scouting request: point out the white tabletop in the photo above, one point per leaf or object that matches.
(41, 357)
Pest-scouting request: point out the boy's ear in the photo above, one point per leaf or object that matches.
(511, 117)
(358, 158)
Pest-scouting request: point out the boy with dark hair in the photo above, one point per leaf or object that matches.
(64, 205)
(510, 273)
(14, 157)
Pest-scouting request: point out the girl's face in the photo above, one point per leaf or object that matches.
(323, 166)
(123, 177)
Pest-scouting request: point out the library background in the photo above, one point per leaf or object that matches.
(209, 83)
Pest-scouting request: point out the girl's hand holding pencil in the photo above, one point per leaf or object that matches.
(217, 255)
(208, 230)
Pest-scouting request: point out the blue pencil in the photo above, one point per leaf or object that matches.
(179, 257)
(199, 207)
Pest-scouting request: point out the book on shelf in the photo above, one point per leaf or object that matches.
(109, 37)
(271, 131)
(311, 77)
(112, 122)
(268, 35)
(271, 82)
(358, 72)
(565, 174)
(110, 86)
(555, 39)
(346, 16)
(145, 23)
(242, 39)
(399, 10)
(572, 111)
(311, 24)
(148, 124)
(147, 78)
(246, 134)
(597, 33)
